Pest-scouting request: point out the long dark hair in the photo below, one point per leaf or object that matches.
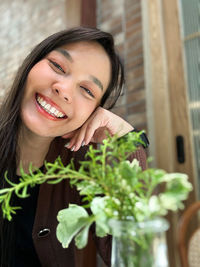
(10, 109)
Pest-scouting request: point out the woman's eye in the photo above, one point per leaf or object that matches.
(87, 91)
(57, 66)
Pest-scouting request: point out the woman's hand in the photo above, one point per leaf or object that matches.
(95, 128)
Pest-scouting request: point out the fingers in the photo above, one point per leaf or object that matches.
(84, 135)
(77, 141)
(94, 129)
(92, 125)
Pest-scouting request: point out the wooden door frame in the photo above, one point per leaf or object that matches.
(166, 96)
(88, 13)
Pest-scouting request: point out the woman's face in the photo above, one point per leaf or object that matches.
(63, 89)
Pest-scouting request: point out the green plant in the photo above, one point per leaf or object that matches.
(111, 186)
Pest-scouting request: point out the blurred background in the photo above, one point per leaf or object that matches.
(159, 41)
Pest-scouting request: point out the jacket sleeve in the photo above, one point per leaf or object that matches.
(104, 245)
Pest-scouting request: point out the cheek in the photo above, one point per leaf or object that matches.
(83, 111)
(40, 75)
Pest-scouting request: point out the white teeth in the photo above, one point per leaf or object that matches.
(43, 103)
(60, 114)
(47, 106)
(51, 110)
(56, 112)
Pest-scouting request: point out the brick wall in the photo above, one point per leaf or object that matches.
(24, 23)
(123, 19)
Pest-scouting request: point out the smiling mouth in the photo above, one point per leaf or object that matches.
(49, 108)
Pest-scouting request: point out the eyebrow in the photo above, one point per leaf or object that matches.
(68, 56)
(97, 81)
(65, 54)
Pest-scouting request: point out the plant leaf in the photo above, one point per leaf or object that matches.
(82, 237)
(98, 206)
(71, 221)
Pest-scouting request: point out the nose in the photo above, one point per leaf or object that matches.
(64, 90)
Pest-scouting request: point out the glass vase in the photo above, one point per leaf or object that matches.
(139, 244)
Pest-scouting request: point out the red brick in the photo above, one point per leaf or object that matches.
(136, 36)
(133, 21)
(136, 50)
(135, 83)
(115, 21)
(131, 3)
(137, 107)
(134, 64)
(120, 48)
(138, 119)
(134, 46)
(138, 72)
(135, 68)
(133, 12)
(136, 96)
(134, 30)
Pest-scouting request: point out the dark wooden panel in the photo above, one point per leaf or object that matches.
(88, 13)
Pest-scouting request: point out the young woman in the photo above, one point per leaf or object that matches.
(55, 107)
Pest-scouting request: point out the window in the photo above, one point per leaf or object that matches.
(190, 15)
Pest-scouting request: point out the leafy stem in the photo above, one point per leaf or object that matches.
(34, 178)
(112, 186)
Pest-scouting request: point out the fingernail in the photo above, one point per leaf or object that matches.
(83, 143)
(66, 145)
(72, 149)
